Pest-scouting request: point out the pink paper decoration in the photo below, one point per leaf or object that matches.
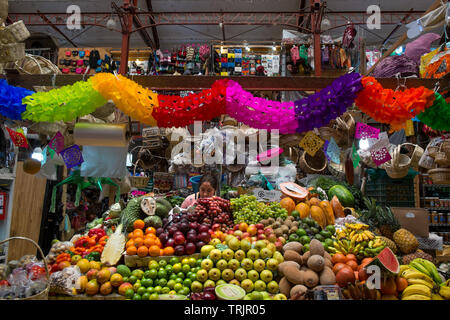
(380, 156)
(364, 131)
(260, 113)
(57, 143)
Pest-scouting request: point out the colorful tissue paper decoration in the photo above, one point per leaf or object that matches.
(128, 96)
(18, 138)
(65, 103)
(72, 156)
(355, 157)
(260, 113)
(325, 146)
(364, 131)
(331, 102)
(392, 107)
(11, 100)
(380, 156)
(57, 143)
(437, 116)
(333, 151)
(311, 143)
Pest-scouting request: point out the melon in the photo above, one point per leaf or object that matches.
(387, 261)
(343, 194)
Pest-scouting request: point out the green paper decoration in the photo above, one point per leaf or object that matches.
(437, 117)
(355, 156)
(65, 103)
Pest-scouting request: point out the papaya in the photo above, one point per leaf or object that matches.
(303, 209)
(314, 201)
(318, 215)
(288, 204)
(329, 215)
(338, 209)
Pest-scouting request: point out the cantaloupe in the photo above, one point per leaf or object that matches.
(303, 209)
(288, 204)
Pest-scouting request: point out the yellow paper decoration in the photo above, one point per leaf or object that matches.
(409, 131)
(311, 143)
(129, 97)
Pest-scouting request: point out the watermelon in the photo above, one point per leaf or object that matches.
(343, 194)
(387, 261)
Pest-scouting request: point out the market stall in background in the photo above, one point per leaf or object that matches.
(338, 193)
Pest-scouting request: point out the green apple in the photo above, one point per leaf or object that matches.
(260, 285)
(227, 274)
(247, 285)
(280, 296)
(247, 264)
(215, 242)
(234, 244)
(205, 250)
(215, 255)
(260, 244)
(239, 255)
(219, 282)
(176, 267)
(238, 233)
(245, 245)
(240, 274)
(253, 275)
(247, 297)
(272, 247)
(272, 287)
(202, 275)
(228, 254)
(235, 282)
(233, 264)
(253, 254)
(265, 295)
(222, 264)
(228, 237)
(259, 265)
(209, 283)
(272, 264)
(207, 264)
(255, 295)
(277, 255)
(266, 276)
(196, 286)
(265, 253)
(214, 274)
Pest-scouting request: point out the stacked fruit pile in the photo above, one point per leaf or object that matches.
(211, 211)
(255, 232)
(145, 243)
(238, 262)
(247, 209)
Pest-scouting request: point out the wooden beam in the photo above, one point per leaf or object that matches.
(154, 30)
(142, 32)
(301, 10)
(186, 83)
(46, 20)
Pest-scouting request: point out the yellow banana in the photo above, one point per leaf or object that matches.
(411, 274)
(404, 267)
(416, 297)
(421, 281)
(351, 234)
(435, 296)
(365, 237)
(444, 291)
(416, 289)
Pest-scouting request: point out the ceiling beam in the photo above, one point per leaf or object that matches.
(154, 30)
(142, 32)
(46, 20)
(301, 9)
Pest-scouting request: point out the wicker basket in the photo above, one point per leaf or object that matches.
(138, 181)
(416, 154)
(398, 166)
(432, 151)
(342, 130)
(18, 32)
(440, 175)
(3, 9)
(446, 147)
(441, 158)
(43, 295)
(315, 164)
(338, 170)
(12, 52)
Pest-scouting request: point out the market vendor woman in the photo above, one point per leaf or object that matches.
(207, 188)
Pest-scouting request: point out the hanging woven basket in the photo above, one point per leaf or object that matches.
(441, 158)
(398, 166)
(316, 164)
(440, 175)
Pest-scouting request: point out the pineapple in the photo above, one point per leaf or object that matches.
(418, 254)
(390, 244)
(406, 241)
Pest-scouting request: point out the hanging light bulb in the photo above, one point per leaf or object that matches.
(37, 154)
(111, 24)
(364, 144)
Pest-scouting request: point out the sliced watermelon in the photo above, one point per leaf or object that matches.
(387, 261)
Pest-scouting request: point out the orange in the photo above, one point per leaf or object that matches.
(353, 264)
(129, 243)
(149, 236)
(168, 251)
(350, 256)
(158, 242)
(402, 283)
(161, 252)
(138, 233)
(131, 235)
(148, 242)
(139, 224)
(131, 250)
(150, 230)
(154, 251)
(142, 251)
(338, 257)
(138, 242)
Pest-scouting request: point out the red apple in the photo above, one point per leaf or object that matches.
(216, 227)
(245, 235)
(236, 227)
(272, 238)
(259, 226)
(179, 239)
(278, 245)
(243, 226)
(252, 230)
(260, 231)
(268, 231)
(261, 236)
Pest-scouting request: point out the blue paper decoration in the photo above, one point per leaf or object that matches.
(11, 100)
(333, 151)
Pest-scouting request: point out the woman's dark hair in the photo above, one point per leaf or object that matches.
(209, 178)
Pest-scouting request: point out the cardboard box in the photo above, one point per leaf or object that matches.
(414, 220)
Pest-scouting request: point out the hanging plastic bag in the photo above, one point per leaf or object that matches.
(104, 162)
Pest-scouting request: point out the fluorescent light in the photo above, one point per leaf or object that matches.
(37, 154)
(364, 144)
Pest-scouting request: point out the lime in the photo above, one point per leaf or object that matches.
(154, 296)
(125, 279)
(153, 264)
(168, 269)
(301, 232)
(293, 237)
(326, 234)
(129, 293)
(150, 290)
(176, 267)
(147, 274)
(193, 277)
(162, 274)
(309, 221)
(132, 279)
(315, 230)
(171, 283)
(174, 260)
(325, 246)
(162, 263)
(187, 282)
(179, 280)
(141, 291)
(192, 262)
(186, 268)
(184, 291)
(295, 214)
(306, 247)
(137, 297)
(305, 240)
(331, 229)
(152, 274)
(198, 263)
(177, 287)
(162, 282)
(173, 276)
(165, 290)
(146, 282)
(157, 289)
(146, 296)
(136, 286)
(180, 275)
(329, 242)
(319, 237)
(185, 261)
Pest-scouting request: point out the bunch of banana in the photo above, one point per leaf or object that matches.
(355, 235)
(416, 292)
(416, 277)
(377, 242)
(359, 291)
(426, 267)
(357, 226)
(444, 290)
(360, 250)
